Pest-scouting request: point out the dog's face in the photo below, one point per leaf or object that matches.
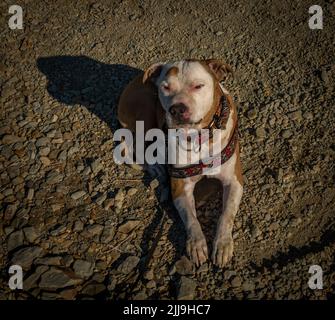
(186, 89)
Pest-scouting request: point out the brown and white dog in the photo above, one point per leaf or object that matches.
(187, 94)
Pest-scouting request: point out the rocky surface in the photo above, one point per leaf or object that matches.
(83, 227)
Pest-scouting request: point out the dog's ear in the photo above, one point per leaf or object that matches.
(220, 69)
(153, 72)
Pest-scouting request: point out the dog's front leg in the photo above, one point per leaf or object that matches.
(223, 243)
(183, 199)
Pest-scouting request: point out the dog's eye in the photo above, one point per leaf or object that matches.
(198, 86)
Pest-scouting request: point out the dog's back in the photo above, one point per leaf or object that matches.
(139, 102)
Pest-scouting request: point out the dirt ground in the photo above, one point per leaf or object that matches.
(83, 227)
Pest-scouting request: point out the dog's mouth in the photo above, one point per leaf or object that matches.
(184, 124)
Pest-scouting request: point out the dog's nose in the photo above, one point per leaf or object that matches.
(179, 110)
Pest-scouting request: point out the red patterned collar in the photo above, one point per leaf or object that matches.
(219, 121)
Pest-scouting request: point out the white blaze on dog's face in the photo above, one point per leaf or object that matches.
(186, 89)
(186, 92)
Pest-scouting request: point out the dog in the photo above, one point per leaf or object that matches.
(189, 94)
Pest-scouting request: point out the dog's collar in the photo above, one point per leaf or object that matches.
(213, 162)
(219, 121)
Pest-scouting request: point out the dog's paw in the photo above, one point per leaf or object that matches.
(222, 251)
(196, 248)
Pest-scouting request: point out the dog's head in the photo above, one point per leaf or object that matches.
(187, 89)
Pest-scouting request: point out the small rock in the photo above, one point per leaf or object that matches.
(260, 132)
(31, 234)
(45, 161)
(296, 115)
(140, 296)
(108, 204)
(119, 198)
(149, 275)
(42, 142)
(151, 284)
(9, 138)
(32, 280)
(50, 261)
(82, 268)
(44, 151)
(101, 199)
(131, 192)
(96, 166)
(108, 234)
(248, 286)
(54, 177)
(25, 257)
(94, 229)
(252, 114)
(228, 274)
(129, 264)
(93, 289)
(184, 266)
(78, 226)
(30, 194)
(236, 282)
(187, 289)
(62, 156)
(68, 294)
(57, 278)
(59, 229)
(78, 194)
(128, 226)
(286, 133)
(15, 240)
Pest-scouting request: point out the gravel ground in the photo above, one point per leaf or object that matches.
(83, 227)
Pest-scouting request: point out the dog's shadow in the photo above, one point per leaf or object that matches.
(97, 86)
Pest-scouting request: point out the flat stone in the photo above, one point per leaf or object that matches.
(57, 279)
(131, 192)
(286, 133)
(25, 257)
(184, 266)
(101, 199)
(69, 294)
(15, 240)
(128, 226)
(32, 280)
(44, 151)
(78, 194)
(108, 204)
(260, 132)
(248, 286)
(95, 229)
(45, 161)
(50, 261)
(96, 166)
(108, 234)
(93, 289)
(42, 142)
(78, 226)
(252, 114)
(31, 233)
(83, 269)
(129, 264)
(236, 282)
(186, 289)
(30, 194)
(62, 156)
(54, 177)
(9, 139)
